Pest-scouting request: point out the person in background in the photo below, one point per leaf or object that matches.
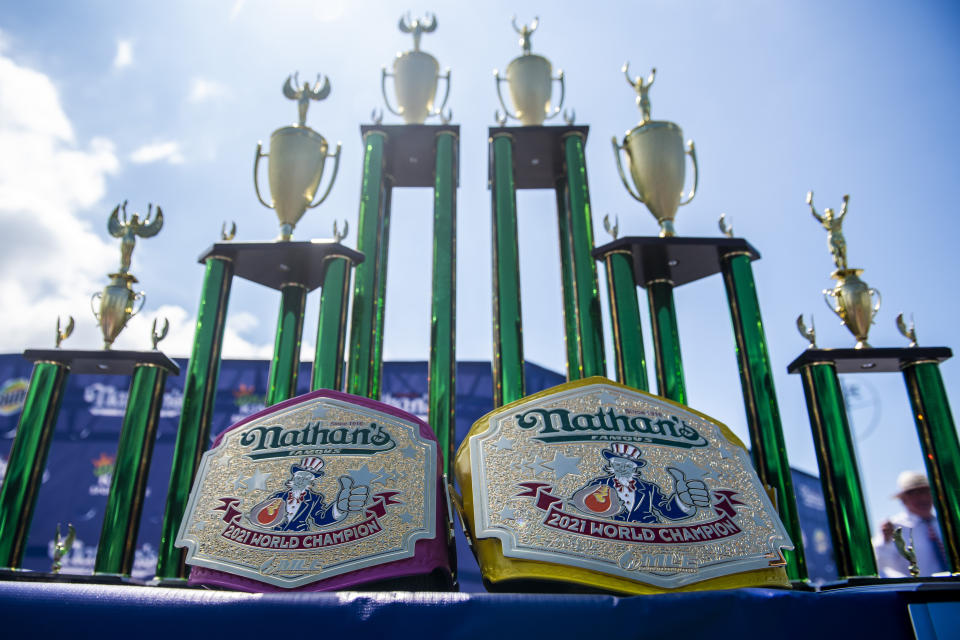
(918, 521)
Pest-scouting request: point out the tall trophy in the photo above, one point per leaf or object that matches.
(530, 80)
(655, 158)
(117, 300)
(416, 75)
(851, 299)
(296, 159)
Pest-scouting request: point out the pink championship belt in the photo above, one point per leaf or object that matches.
(322, 492)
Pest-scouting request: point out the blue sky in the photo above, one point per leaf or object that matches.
(165, 102)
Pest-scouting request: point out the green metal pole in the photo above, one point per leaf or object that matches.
(583, 297)
(666, 341)
(631, 361)
(508, 383)
(332, 326)
(282, 384)
(443, 308)
(121, 522)
(383, 244)
(941, 451)
(767, 445)
(199, 394)
(366, 287)
(566, 280)
(837, 461)
(28, 457)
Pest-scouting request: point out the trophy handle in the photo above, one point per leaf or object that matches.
(256, 165)
(623, 177)
(336, 167)
(829, 298)
(563, 93)
(498, 80)
(876, 307)
(142, 297)
(692, 152)
(383, 89)
(96, 296)
(446, 95)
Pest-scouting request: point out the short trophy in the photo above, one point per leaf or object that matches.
(296, 159)
(416, 75)
(118, 299)
(851, 299)
(530, 79)
(655, 159)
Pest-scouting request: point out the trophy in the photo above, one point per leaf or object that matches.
(655, 157)
(415, 77)
(851, 299)
(117, 300)
(530, 79)
(297, 155)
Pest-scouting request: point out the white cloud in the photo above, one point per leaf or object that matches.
(51, 261)
(179, 340)
(236, 9)
(124, 56)
(157, 152)
(202, 90)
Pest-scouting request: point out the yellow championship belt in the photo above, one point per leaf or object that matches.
(594, 485)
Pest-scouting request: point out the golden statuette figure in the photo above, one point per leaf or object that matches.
(416, 75)
(61, 547)
(127, 229)
(530, 80)
(833, 223)
(906, 550)
(642, 88)
(296, 159)
(809, 333)
(908, 332)
(65, 332)
(157, 336)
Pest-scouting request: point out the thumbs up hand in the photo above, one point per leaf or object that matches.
(351, 497)
(692, 493)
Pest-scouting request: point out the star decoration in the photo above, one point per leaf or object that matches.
(319, 411)
(406, 518)
(503, 443)
(383, 476)
(258, 480)
(239, 482)
(563, 466)
(507, 513)
(409, 451)
(606, 397)
(363, 475)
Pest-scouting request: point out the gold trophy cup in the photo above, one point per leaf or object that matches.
(851, 299)
(530, 80)
(296, 160)
(416, 75)
(656, 160)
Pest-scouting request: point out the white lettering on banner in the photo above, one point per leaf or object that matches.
(108, 401)
(417, 405)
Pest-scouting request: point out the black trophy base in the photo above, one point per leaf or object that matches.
(275, 264)
(870, 360)
(103, 361)
(538, 155)
(21, 575)
(410, 154)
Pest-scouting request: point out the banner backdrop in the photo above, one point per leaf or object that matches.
(80, 465)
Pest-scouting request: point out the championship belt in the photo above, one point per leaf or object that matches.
(324, 491)
(602, 487)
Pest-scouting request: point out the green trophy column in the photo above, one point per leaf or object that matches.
(380, 309)
(767, 446)
(443, 313)
(508, 383)
(366, 289)
(199, 393)
(941, 451)
(332, 326)
(121, 522)
(282, 383)
(581, 295)
(666, 341)
(631, 361)
(28, 457)
(837, 461)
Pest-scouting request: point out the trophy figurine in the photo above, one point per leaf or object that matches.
(296, 159)
(851, 299)
(655, 158)
(61, 547)
(118, 299)
(530, 79)
(416, 75)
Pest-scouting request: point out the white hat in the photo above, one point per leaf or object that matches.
(909, 480)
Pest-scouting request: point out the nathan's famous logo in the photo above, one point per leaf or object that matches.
(103, 471)
(12, 394)
(355, 438)
(562, 425)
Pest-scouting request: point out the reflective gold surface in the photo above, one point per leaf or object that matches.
(852, 300)
(809, 333)
(116, 306)
(415, 77)
(833, 223)
(64, 333)
(910, 333)
(530, 82)
(127, 229)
